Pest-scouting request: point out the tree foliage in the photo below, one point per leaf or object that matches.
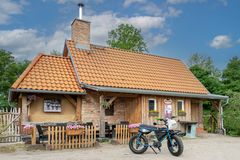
(231, 75)
(227, 83)
(55, 53)
(231, 81)
(127, 37)
(10, 70)
(232, 114)
(203, 68)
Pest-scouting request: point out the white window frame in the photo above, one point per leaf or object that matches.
(183, 105)
(155, 103)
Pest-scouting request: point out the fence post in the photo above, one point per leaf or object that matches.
(34, 135)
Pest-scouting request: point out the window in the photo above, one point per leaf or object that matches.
(180, 105)
(52, 105)
(152, 106)
(109, 111)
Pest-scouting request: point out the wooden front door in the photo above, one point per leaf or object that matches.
(133, 110)
(195, 111)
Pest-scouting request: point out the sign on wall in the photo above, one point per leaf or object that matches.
(168, 108)
(52, 105)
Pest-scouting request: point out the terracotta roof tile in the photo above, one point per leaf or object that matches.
(52, 73)
(104, 66)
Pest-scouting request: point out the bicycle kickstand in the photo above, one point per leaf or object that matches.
(153, 149)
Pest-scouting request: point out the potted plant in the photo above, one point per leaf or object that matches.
(153, 113)
(74, 129)
(133, 128)
(181, 113)
(28, 129)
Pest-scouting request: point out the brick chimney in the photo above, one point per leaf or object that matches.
(81, 31)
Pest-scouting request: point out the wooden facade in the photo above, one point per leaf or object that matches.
(127, 107)
(33, 111)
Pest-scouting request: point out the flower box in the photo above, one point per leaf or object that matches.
(133, 130)
(74, 132)
(153, 113)
(182, 113)
(28, 129)
(74, 129)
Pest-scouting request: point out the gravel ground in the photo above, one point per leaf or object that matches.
(208, 148)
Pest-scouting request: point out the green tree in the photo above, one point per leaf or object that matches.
(203, 68)
(232, 114)
(127, 37)
(55, 53)
(231, 80)
(10, 70)
(231, 75)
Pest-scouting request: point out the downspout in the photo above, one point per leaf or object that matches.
(221, 114)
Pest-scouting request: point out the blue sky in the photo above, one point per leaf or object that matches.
(172, 28)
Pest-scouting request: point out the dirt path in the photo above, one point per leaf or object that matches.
(213, 147)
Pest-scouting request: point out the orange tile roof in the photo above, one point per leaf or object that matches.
(109, 67)
(51, 73)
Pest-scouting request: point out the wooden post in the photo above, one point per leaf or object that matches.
(24, 117)
(200, 114)
(219, 118)
(79, 109)
(34, 135)
(102, 118)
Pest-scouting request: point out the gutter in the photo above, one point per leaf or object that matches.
(42, 91)
(154, 92)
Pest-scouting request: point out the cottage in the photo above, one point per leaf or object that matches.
(98, 84)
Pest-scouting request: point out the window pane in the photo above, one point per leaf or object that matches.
(151, 105)
(180, 105)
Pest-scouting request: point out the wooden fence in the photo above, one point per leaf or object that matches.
(123, 134)
(9, 125)
(58, 139)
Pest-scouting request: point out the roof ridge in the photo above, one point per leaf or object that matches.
(60, 56)
(26, 71)
(124, 50)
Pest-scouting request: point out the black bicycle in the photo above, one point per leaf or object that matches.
(138, 144)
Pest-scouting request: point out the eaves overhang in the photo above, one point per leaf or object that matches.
(155, 92)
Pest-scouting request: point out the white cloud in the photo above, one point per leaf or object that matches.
(159, 39)
(183, 1)
(9, 8)
(224, 2)
(238, 41)
(221, 41)
(75, 1)
(100, 28)
(127, 3)
(26, 43)
(172, 12)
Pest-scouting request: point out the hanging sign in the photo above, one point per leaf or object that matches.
(168, 108)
